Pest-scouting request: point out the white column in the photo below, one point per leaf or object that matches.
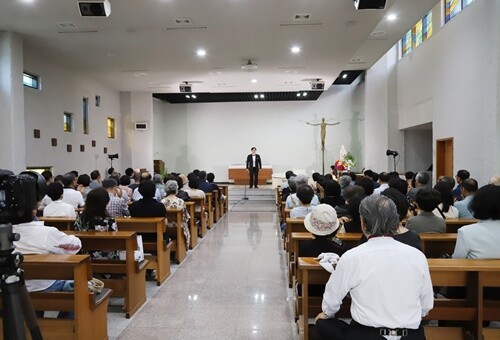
(12, 130)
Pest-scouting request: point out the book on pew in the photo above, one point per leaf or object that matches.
(138, 253)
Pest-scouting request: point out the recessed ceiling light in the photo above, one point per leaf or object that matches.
(344, 76)
(188, 96)
(140, 74)
(193, 96)
(298, 94)
(201, 53)
(392, 17)
(295, 49)
(254, 81)
(261, 96)
(304, 94)
(256, 96)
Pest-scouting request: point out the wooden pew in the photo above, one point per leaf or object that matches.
(179, 244)
(210, 209)
(200, 204)
(61, 223)
(160, 251)
(225, 190)
(222, 203)
(434, 244)
(216, 201)
(91, 318)
(133, 287)
(193, 229)
(473, 274)
(453, 224)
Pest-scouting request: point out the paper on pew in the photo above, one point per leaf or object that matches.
(138, 254)
(328, 261)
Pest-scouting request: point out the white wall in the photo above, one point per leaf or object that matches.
(63, 91)
(452, 80)
(213, 135)
(417, 149)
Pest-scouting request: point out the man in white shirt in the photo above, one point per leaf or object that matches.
(468, 189)
(383, 179)
(136, 195)
(253, 164)
(57, 208)
(39, 239)
(70, 195)
(388, 281)
(292, 201)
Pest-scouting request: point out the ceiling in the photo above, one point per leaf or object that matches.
(141, 48)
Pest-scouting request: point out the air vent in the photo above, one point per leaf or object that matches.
(291, 67)
(350, 23)
(302, 16)
(357, 60)
(77, 32)
(302, 24)
(377, 34)
(182, 21)
(66, 25)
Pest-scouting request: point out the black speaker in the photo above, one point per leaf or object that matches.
(369, 4)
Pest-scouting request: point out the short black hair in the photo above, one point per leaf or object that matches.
(305, 194)
(368, 173)
(202, 175)
(353, 176)
(398, 184)
(393, 174)
(74, 172)
(375, 176)
(95, 174)
(384, 177)
(47, 175)
(125, 180)
(353, 190)
(289, 174)
(428, 199)
(446, 194)
(316, 176)
(58, 178)
(486, 203)
(196, 172)
(400, 200)
(55, 191)
(194, 182)
(367, 184)
(450, 181)
(409, 175)
(332, 188)
(470, 185)
(210, 177)
(253, 148)
(329, 176)
(178, 179)
(147, 189)
(68, 179)
(83, 180)
(109, 183)
(129, 172)
(463, 174)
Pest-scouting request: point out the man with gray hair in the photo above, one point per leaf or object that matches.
(421, 181)
(292, 201)
(389, 283)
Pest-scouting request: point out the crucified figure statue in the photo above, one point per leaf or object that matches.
(323, 125)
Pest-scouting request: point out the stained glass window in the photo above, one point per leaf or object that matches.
(452, 8)
(68, 122)
(407, 43)
(427, 26)
(86, 116)
(111, 128)
(417, 34)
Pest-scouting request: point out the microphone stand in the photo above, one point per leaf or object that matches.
(248, 179)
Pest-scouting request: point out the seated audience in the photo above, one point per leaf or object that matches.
(445, 209)
(147, 206)
(134, 182)
(193, 191)
(124, 187)
(83, 185)
(117, 206)
(36, 238)
(399, 184)
(57, 208)
(383, 180)
(344, 182)
(351, 222)
(426, 222)
(70, 195)
(129, 172)
(448, 180)
(409, 176)
(481, 240)
(49, 178)
(204, 185)
(185, 182)
(292, 188)
(322, 222)
(388, 281)
(305, 195)
(173, 202)
(349, 192)
(330, 193)
(210, 180)
(284, 185)
(422, 180)
(95, 218)
(292, 201)
(367, 184)
(95, 176)
(158, 181)
(183, 195)
(461, 176)
(144, 177)
(468, 188)
(401, 234)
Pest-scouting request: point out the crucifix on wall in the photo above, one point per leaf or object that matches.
(323, 126)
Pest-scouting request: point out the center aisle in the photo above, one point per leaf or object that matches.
(232, 286)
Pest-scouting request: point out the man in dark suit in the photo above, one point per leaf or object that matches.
(253, 165)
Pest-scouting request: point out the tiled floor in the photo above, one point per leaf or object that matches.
(232, 286)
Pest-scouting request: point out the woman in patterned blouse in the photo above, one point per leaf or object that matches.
(174, 202)
(95, 218)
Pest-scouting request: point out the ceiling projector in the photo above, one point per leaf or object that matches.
(94, 8)
(369, 4)
(317, 85)
(186, 88)
(249, 67)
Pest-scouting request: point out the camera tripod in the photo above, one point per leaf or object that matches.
(17, 307)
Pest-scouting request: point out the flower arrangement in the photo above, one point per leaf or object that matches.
(346, 164)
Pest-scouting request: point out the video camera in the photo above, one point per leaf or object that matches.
(19, 195)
